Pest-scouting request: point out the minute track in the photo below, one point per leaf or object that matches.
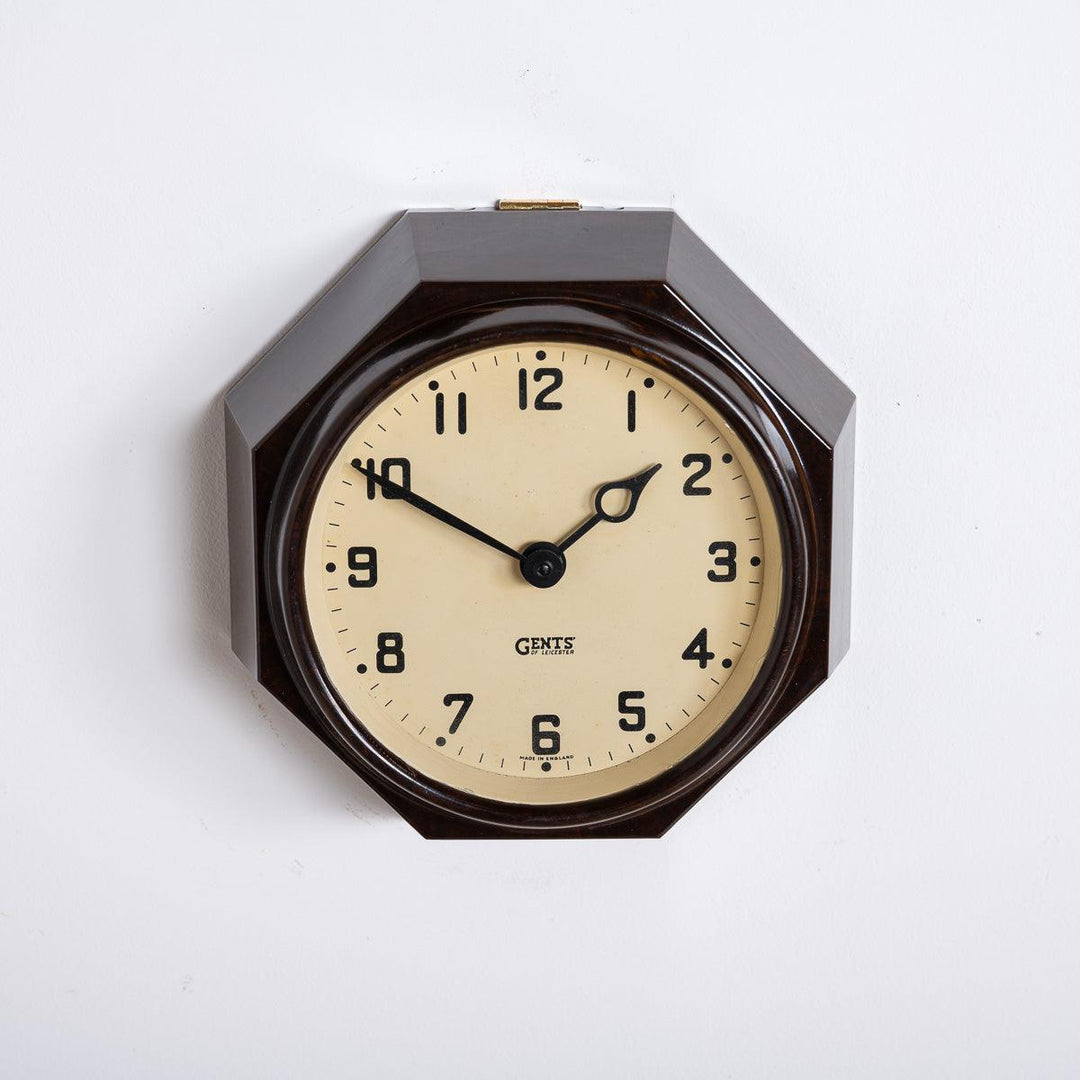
(525, 495)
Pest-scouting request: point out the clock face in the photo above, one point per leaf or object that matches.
(542, 573)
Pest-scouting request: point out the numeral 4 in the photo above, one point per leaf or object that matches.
(698, 649)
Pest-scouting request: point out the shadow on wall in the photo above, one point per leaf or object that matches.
(209, 589)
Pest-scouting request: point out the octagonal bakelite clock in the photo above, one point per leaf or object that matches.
(540, 519)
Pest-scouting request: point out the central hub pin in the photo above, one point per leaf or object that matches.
(542, 565)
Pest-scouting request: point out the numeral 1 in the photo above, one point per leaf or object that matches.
(698, 649)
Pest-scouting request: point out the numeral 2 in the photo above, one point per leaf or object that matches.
(689, 484)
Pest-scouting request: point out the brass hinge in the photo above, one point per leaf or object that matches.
(537, 204)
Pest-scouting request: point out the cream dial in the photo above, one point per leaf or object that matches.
(465, 660)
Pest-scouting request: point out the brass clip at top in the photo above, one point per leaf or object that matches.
(537, 204)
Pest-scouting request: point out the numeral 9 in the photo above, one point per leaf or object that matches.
(366, 560)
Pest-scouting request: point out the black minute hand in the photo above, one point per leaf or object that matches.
(435, 511)
(633, 486)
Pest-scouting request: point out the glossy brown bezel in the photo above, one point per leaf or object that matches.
(367, 382)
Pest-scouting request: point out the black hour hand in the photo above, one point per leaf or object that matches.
(632, 486)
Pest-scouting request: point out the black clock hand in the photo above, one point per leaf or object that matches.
(633, 485)
(435, 511)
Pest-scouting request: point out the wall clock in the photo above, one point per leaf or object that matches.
(540, 519)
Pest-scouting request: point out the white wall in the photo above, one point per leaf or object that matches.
(192, 886)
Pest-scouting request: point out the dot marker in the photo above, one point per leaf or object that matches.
(547, 764)
(726, 663)
(361, 668)
(440, 741)
(330, 567)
